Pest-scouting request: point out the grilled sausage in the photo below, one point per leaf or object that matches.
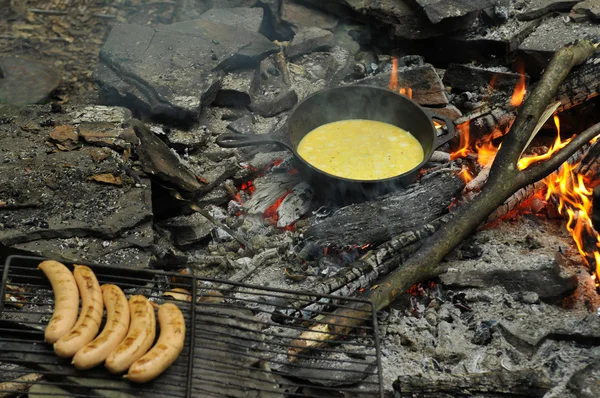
(167, 348)
(117, 323)
(88, 323)
(139, 339)
(66, 300)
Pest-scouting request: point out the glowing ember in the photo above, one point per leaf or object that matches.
(465, 141)
(558, 144)
(520, 90)
(271, 212)
(407, 92)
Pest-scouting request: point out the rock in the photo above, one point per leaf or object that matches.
(246, 18)
(270, 94)
(551, 35)
(103, 135)
(48, 194)
(426, 85)
(24, 81)
(188, 230)
(186, 10)
(539, 273)
(158, 161)
(300, 16)
(586, 382)
(539, 8)
(590, 8)
(400, 16)
(344, 37)
(309, 40)
(182, 140)
(65, 136)
(243, 125)
(440, 10)
(235, 89)
(472, 78)
(172, 71)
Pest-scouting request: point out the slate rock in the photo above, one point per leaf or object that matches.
(173, 71)
(270, 94)
(590, 8)
(25, 81)
(64, 135)
(439, 10)
(191, 139)
(47, 194)
(309, 40)
(246, 18)
(427, 87)
(188, 230)
(539, 8)
(551, 35)
(235, 89)
(186, 10)
(300, 16)
(586, 382)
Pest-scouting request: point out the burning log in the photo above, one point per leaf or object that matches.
(505, 179)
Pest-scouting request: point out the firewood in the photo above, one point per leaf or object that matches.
(505, 179)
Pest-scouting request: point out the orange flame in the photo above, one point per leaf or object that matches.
(486, 152)
(394, 77)
(465, 174)
(465, 141)
(520, 89)
(393, 85)
(558, 144)
(574, 197)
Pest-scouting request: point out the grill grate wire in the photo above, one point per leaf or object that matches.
(235, 343)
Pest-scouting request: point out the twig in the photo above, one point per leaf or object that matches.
(46, 12)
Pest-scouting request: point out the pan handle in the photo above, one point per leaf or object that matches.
(448, 131)
(236, 140)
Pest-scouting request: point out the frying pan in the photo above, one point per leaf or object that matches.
(351, 102)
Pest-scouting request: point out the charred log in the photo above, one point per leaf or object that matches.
(378, 221)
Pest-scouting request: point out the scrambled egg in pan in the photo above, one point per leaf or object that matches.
(361, 149)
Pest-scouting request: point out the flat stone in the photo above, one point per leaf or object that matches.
(25, 81)
(551, 35)
(300, 16)
(188, 230)
(586, 382)
(590, 8)
(539, 8)
(173, 71)
(246, 18)
(472, 78)
(191, 139)
(64, 135)
(309, 40)
(186, 10)
(48, 194)
(427, 87)
(235, 89)
(103, 135)
(540, 274)
(270, 94)
(439, 10)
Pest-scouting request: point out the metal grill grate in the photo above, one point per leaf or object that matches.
(239, 347)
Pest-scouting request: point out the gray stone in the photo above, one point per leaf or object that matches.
(270, 93)
(49, 194)
(439, 10)
(25, 81)
(300, 16)
(539, 273)
(246, 18)
(344, 37)
(235, 89)
(191, 139)
(586, 382)
(590, 8)
(309, 40)
(186, 10)
(188, 230)
(551, 35)
(539, 8)
(426, 85)
(172, 71)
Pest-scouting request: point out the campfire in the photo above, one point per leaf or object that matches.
(175, 149)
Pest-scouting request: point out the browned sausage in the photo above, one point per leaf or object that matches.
(167, 348)
(88, 323)
(139, 339)
(117, 324)
(66, 300)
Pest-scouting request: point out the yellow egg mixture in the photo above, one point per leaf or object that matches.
(361, 149)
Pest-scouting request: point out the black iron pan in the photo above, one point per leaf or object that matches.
(352, 102)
